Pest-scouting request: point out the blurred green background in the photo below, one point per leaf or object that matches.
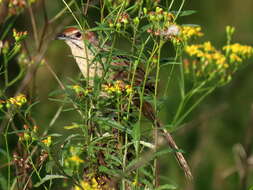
(218, 137)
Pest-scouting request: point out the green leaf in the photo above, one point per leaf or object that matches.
(170, 63)
(30, 107)
(115, 124)
(49, 177)
(54, 135)
(3, 181)
(73, 126)
(162, 152)
(185, 13)
(166, 187)
(136, 134)
(107, 170)
(70, 137)
(49, 166)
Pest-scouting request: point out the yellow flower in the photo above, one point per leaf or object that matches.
(19, 35)
(117, 87)
(81, 91)
(128, 89)
(108, 88)
(235, 58)
(193, 50)
(76, 159)
(19, 100)
(191, 31)
(208, 46)
(208, 54)
(47, 141)
(77, 88)
(93, 185)
(241, 50)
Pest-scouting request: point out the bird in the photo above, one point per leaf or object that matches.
(84, 46)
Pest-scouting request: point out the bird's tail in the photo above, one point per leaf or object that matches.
(148, 112)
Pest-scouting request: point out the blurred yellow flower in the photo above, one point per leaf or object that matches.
(129, 89)
(208, 46)
(194, 50)
(93, 185)
(77, 88)
(76, 159)
(207, 52)
(235, 58)
(81, 91)
(191, 31)
(240, 50)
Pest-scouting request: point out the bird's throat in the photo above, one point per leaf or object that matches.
(85, 61)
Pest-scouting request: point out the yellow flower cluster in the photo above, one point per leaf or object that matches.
(47, 141)
(211, 62)
(188, 32)
(81, 91)
(74, 159)
(93, 185)
(18, 100)
(118, 87)
(238, 51)
(19, 35)
(207, 53)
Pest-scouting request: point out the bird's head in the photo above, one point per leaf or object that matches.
(78, 40)
(73, 37)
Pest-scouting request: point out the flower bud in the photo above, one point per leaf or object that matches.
(145, 10)
(136, 20)
(27, 136)
(118, 25)
(111, 25)
(230, 30)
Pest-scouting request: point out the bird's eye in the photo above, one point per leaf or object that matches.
(78, 34)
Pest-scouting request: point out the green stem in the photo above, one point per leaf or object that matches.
(133, 76)
(6, 70)
(179, 10)
(156, 181)
(124, 161)
(34, 167)
(8, 156)
(74, 16)
(190, 94)
(193, 106)
(182, 80)
(171, 4)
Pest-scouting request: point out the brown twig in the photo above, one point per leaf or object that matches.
(46, 23)
(4, 10)
(86, 8)
(179, 156)
(34, 26)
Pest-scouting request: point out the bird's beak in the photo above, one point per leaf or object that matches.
(61, 37)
